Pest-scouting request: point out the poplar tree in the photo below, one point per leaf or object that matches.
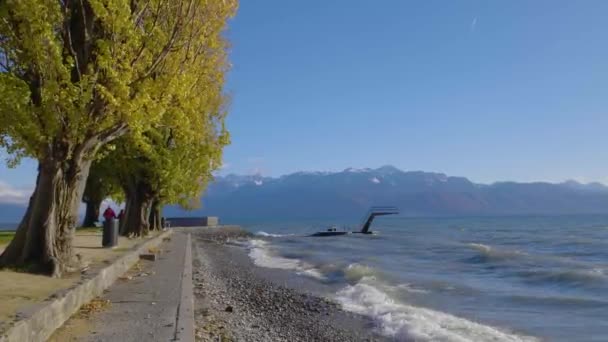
(77, 75)
(175, 171)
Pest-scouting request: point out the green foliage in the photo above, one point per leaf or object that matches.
(6, 237)
(176, 162)
(89, 230)
(79, 73)
(101, 182)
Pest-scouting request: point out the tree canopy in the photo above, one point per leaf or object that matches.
(174, 166)
(76, 71)
(77, 75)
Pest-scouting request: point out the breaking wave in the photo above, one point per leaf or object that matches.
(406, 322)
(264, 234)
(487, 253)
(355, 272)
(549, 269)
(260, 253)
(576, 277)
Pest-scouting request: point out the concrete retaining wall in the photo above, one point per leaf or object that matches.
(193, 221)
(184, 329)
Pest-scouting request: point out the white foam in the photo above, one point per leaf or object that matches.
(237, 242)
(603, 272)
(496, 254)
(480, 247)
(261, 255)
(262, 233)
(410, 288)
(313, 272)
(354, 272)
(406, 322)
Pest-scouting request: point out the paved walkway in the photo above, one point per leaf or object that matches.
(143, 308)
(22, 291)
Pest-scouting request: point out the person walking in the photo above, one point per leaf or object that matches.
(109, 214)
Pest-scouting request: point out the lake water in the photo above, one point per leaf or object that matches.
(461, 279)
(8, 226)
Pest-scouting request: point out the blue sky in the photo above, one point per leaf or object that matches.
(490, 90)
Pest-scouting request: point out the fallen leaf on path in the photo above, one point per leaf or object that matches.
(96, 305)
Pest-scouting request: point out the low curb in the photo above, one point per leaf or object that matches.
(40, 325)
(184, 327)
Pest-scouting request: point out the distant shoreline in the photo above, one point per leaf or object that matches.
(8, 226)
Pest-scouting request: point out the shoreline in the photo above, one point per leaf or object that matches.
(237, 300)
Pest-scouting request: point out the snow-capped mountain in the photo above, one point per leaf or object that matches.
(350, 192)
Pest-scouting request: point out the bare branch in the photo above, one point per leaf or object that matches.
(177, 27)
(70, 47)
(112, 133)
(139, 17)
(145, 40)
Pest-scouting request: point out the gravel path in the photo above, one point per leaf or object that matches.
(236, 301)
(140, 306)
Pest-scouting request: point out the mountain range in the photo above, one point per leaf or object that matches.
(351, 192)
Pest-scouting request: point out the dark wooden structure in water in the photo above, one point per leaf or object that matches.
(365, 224)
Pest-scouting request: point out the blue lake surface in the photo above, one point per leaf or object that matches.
(457, 279)
(8, 226)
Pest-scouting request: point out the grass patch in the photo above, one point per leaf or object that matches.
(6, 237)
(89, 230)
(29, 268)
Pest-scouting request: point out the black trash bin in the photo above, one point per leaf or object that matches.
(110, 233)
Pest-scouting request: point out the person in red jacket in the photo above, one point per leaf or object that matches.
(109, 214)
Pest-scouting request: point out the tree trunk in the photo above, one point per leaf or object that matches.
(155, 215)
(91, 215)
(122, 224)
(139, 199)
(43, 241)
